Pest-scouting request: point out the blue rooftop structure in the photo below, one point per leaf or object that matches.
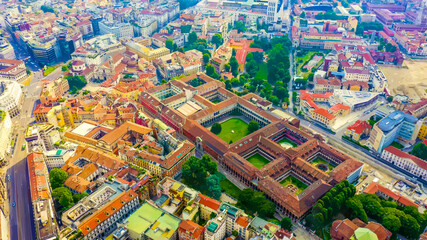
(394, 119)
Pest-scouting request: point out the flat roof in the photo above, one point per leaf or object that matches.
(84, 129)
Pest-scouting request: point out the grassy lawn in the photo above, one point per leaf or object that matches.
(293, 180)
(302, 63)
(287, 143)
(258, 160)
(319, 160)
(229, 188)
(233, 130)
(216, 100)
(262, 72)
(49, 70)
(397, 145)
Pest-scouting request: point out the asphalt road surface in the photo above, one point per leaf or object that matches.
(21, 216)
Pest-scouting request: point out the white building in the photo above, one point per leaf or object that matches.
(5, 131)
(145, 27)
(56, 158)
(6, 50)
(272, 11)
(405, 161)
(97, 50)
(120, 30)
(10, 97)
(216, 228)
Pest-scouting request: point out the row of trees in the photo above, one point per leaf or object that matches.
(407, 221)
(364, 26)
(64, 199)
(330, 204)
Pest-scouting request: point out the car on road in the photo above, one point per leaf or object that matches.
(13, 204)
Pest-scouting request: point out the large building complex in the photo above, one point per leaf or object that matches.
(190, 110)
(13, 70)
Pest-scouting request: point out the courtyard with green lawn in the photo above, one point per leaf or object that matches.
(322, 164)
(287, 143)
(233, 130)
(258, 160)
(294, 184)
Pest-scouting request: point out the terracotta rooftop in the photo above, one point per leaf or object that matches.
(209, 202)
(374, 187)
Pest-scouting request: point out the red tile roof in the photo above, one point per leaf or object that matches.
(359, 126)
(324, 112)
(374, 187)
(209, 202)
(107, 211)
(192, 227)
(421, 163)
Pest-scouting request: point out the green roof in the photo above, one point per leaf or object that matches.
(364, 234)
(143, 218)
(164, 227)
(230, 209)
(212, 227)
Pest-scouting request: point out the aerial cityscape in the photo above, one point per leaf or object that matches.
(213, 119)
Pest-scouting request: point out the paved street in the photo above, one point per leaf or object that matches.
(21, 215)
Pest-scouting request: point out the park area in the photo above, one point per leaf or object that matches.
(233, 130)
(322, 164)
(293, 184)
(287, 143)
(410, 80)
(308, 63)
(258, 160)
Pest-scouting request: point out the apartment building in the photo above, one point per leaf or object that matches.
(120, 30)
(10, 97)
(42, 202)
(405, 161)
(103, 222)
(13, 70)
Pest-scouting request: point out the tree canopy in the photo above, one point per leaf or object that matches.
(216, 128)
(234, 66)
(64, 197)
(57, 177)
(253, 126)
(420, 150)
(217, 39)
(77, 81)
(196, 170)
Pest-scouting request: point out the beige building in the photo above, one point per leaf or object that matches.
(13, 70)
(142, 50)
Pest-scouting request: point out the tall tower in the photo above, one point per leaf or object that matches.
(272, 11)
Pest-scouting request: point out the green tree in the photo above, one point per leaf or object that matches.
(391, 222)
(253, 126)
(216, 128)
(76, 81)
(57, 177)
(251, 67)
(185, 28)
(286, 223)
(64, 197)
(64, 68)
(169, 44)
(227, 67)
(79, 196)
(46, 9)
(234, 65)
(196, 170)
(214, 188)
(390, 99)
(192, 37)
(390, 47)
(420, 150)
(217, 39)
(233, 52)
(210, 70)
(302, 15)
(206, 58)
(240, 26)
